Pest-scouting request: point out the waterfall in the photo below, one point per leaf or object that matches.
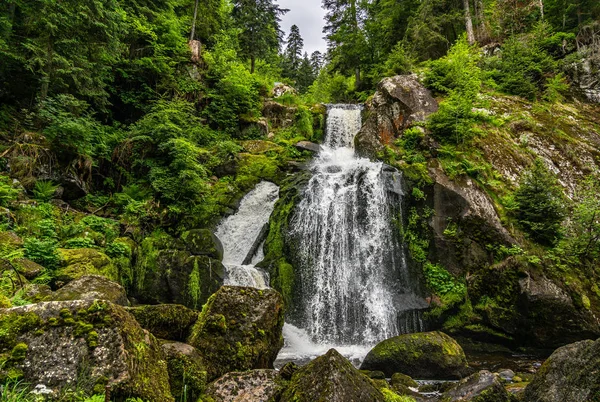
(355, 286)
(242, 236)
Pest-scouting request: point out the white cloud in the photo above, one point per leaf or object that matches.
(309, 16)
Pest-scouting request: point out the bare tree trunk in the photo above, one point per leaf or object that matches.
(193, 34)
(482, 28)
(541, 8)
(252, 64)
(469, 23)
(357, 78)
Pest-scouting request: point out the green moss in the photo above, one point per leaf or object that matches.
(391, 396)
(19, 351)
(12, 324)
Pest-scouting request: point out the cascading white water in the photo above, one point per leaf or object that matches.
(354, 281)
(241, 233)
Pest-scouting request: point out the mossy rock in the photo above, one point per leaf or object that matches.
(187, 376)
(239, 329)
(78, 262)
(203, 242)
(571, 373)
(425, 355)
(91, 287)
(260, 146)
(331, 378)
(5, 302)
(29, 269)
(255, 385)
(404, 380)
(479, 387)
(166, 321)
(10, 241)
(62, 337)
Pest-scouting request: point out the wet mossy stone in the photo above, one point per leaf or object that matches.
(571, 373)
(29, 269)
(203, 242)
(78, 262)
(424, 355)
(239, 329)
(166, 321)
(262, 385)
(331, 378)
(479, 387)
(260, 146)
(403, 379)
(91, 287)
(65, 337)
(187, 376)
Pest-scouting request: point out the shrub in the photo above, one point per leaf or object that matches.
(42, 251)
(539, 203)
(118, 249)
(80, 242)
(7, 192)
(44, 190)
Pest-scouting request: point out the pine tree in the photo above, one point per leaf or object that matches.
(306, 75)
(316, 62)
(260, 33)
(293, 51)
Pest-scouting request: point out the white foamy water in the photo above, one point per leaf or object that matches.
(240, 233)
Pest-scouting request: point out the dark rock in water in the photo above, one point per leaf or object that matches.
(426, 355)
(288, 370)
(571, 373)
(239, 329)
(308, 146)
(91, 287)
(333, 169)
(255, 385)
(403, 379)
(203, 242)
(331, 378)
(51, 343)
(166, 321)
(399, 102)
(187, 376)
(479, 387)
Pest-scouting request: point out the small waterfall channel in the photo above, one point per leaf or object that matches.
(356, 288)
(242, 236)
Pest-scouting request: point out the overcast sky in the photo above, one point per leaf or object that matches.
(308, 15)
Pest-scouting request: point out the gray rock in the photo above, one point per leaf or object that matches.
(89, 345)
(255, 385)
(399, 102)
(166, 321)
(479, 387)
(506, 375)
(308, 146)
(91, 287)
(331, 378)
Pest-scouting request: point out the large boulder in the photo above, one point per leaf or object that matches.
(166, 321)
(479, 387)
(75, 263)
(399, 102)
(425, 355)
(331, 378)
(94, 346)
(187, 376)
(239, 329)
(255, 385)
(571, 373)
(203, 242)
(91, 287)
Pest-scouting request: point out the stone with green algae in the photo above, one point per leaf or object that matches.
(239, 329)
(203, 242)
(166, 321)
(263, 385)
(187, 376)
(64, 337)
(91, 287)
(424, 355)
(331, 378)
(479, 387)
(78, 262)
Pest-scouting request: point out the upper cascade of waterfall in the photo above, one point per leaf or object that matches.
(356, 286)
(242, 236)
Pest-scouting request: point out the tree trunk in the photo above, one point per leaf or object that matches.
(541, 9)
(252, 63)
(193, 33)
(357, 78)
(469, 23)
(482, 28)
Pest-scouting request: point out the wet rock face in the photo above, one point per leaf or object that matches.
(255, 385)
(93, 345)
(91, 287)
(479, 387)
(239, 329)
(187, 376)
(399, 102)
(166, 321)
(331, 378)
(571, 373)
(425, 355)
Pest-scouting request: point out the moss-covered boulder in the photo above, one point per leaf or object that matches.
(166, 321)
(425, 355)
(479, 387)
(187, 376)
(571, 373)
(89, 345)
(29, 269)
(402, 384)
(203, 242)
(239, 329)
(91, 287)
(255, 385)
(331, 378)
(75, 263)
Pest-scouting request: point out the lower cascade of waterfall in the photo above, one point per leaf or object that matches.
(242, 237)
(356, 287)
